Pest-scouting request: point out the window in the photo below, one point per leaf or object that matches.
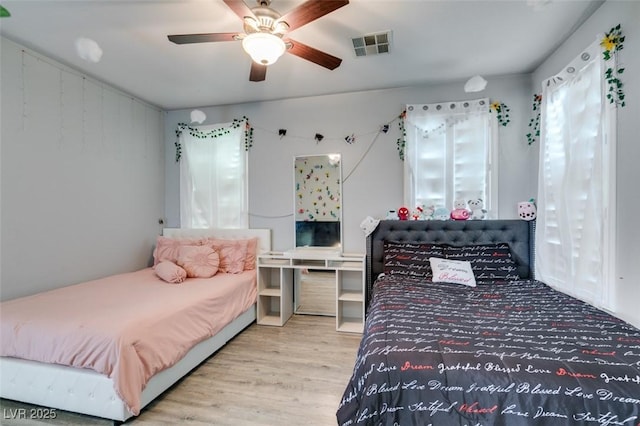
(449, 154)
(574, 247)
(213, 177)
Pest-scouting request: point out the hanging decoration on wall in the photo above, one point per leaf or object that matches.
(502, 112)
(402, 140)
(214, 133)
(319, 137)
(612, 44)
(475, 84)
(4, 13)
(88, 49)
(375, 134)
(198, 116)
(534, 123)
(248, 134)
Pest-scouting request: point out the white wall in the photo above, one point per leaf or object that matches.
(82, 169)
(375, 185)
(611, 13)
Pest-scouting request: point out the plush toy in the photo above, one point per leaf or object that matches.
(403, 213)
(477, 210)
(368, 225)
(392, 215)
(527, 210)
(441, 213)
(428, 212)
(459, 211)
(422, 213)
(417, 212)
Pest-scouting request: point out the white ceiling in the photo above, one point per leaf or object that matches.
(433, 41)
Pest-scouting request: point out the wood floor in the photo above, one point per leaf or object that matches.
(271, 376)
(316, 292)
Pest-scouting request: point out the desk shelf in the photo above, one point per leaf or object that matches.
(275, 287)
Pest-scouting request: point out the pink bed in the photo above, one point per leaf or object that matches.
(134, 331)
(88, 325)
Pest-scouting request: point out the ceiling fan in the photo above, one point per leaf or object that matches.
(265, 33)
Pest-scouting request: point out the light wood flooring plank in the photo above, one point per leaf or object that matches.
(266, 376)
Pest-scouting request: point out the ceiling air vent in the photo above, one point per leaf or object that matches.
(372, 44)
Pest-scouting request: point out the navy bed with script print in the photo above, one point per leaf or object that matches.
(518, 353)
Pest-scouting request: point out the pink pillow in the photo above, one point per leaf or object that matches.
(170, 272)
(198, 261)
(233, 254)
(252, 251)
(167, 248)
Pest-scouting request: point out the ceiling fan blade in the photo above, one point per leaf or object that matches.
(310, 11)
(258, 72)
(240, 8)
(314, 55)
(201, 38)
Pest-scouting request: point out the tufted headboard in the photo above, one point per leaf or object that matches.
(517, 233)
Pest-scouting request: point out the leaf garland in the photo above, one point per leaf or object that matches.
(502, 112)
(402, 140)
(534, 123)
(612, 44)
(214, 133)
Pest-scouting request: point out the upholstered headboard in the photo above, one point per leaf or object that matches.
(518, 234)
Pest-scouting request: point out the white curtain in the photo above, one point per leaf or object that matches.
(449, 154)
(574, 188)
(213, 179)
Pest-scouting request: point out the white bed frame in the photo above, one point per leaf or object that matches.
(88, 392)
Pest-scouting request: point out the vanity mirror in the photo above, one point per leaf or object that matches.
(318, 202)
(318, 230)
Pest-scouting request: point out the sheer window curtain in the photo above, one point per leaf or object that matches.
(450, 153)
(213, 180)
(576, 188)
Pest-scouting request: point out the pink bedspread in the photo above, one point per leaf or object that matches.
(128, 326)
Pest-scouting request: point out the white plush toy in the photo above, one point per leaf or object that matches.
(423, 213)
(527, 210)
(477, 210)
(428, 212)
(368, 225)
(441, 213)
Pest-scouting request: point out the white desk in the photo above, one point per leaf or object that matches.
(276, 271)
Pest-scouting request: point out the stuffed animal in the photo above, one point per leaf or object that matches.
(459, 211)
(368, 225)
(527, 210)
(403, 213)
(441, 213)
(423, 213)
(417, 213)
(429, 211)
(477, 210)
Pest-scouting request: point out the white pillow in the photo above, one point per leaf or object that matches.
(452, 271)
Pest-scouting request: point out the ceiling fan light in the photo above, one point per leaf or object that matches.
(264, 48)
